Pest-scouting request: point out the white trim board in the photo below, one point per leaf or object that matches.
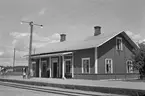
(96, 61)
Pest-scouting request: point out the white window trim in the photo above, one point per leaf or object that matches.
(111, 65)
(96, 60)
(121, 43)
(127, 66)
(83, 66)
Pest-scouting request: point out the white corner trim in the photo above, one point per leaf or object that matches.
(39, 67)
(50, 66)
(73, 65)
(96, 60)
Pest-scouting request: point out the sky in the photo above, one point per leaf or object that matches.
(75, 18)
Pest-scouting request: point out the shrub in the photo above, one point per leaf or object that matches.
(139, 60)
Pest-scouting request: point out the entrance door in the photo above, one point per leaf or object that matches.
(43, 68)
(68, 68)
(55, 70)
(33, 72)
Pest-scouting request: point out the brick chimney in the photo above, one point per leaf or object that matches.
(62, 37)
(97, 30)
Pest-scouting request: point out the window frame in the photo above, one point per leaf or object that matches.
(120, 38)
(111, 65)
(83, 65)
(127, 70)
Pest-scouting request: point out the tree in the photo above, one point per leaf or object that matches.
(139, 60)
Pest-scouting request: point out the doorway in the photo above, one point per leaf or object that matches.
(43, 68)
(33, 72)
(55, 68)
(68, 68)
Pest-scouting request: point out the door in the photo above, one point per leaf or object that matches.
(68, 68)
(33, 72)
(44, 68)
(55, 70)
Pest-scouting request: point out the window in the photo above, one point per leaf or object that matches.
(119, 43)
(68, 66)
(129, 66)
(108, 66)
(85, 65)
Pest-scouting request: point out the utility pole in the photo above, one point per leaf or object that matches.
(30, 44)
(14, 59)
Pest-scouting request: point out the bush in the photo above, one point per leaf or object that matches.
(139, 60)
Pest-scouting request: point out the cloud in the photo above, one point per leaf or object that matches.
(6, 57)
(54, 41)
(10, 53)
(40, 38)
(135, 37)
(55, 35)
(39, 44)
(42, 11)
(9, 62)
(6, 54)
(21, 40)
(1, 53)
(129, 33)
(18, 35)
(35, 15)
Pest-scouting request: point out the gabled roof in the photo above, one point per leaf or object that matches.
(90, 42)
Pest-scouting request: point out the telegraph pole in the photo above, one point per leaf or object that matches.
(30, 48)
(30, 44)
(14, 59)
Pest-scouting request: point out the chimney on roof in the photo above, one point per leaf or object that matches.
(97, 30)
(62, 37)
